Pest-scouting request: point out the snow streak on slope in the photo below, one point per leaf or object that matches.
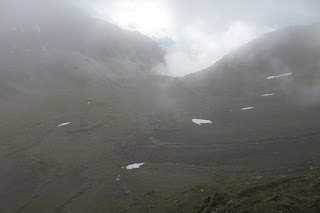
(265, 95)
(64, 124)
(247, 108)
(278, 76)
(134, 166)
(201, 121)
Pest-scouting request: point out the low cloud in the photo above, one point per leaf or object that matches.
(197, 48)
(199, 34)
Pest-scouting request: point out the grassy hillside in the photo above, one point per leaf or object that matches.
(292, 193)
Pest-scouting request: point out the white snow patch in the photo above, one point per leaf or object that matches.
(278, 76)
(265, 95)
(201, 121)
(247, 108)
(64, 124)
(117, 179)
(134, 166)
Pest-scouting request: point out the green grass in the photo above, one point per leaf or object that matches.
(292, 193)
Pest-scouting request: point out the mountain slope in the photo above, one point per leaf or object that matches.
(50, 48)
(245, 71)
(55, 42)
(263, 100)
(117, 120)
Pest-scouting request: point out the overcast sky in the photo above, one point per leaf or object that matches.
(199, 32)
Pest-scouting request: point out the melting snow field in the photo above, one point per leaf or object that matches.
(265, 95)
(200, 121)
(134, 166)
(278, 76)
(64, 124)
(247, 108)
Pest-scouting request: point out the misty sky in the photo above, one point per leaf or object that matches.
(198, 33)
